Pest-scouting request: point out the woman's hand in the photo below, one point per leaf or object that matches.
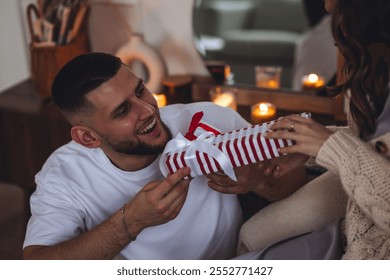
(307, 134)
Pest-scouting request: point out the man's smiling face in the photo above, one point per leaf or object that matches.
(126, 118)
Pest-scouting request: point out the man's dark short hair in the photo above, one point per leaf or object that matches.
(81, 75)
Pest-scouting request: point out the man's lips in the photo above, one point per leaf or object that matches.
(148, 128)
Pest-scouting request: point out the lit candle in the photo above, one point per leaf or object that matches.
(262, 112)
(312, 82)
(161, 99)
(268, 76)
(270, 83)
(225, 99)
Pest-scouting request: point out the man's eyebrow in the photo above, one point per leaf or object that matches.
(139, 84)
(118, 108)
(125, 102)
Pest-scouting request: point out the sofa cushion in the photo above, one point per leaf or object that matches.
(288, 15)
(261, 46)
(217, 16)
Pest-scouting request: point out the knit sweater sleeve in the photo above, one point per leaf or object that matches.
(364, 173)
(334, 128)
(311, 161)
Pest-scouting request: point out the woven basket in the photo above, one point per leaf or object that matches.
(46, 61)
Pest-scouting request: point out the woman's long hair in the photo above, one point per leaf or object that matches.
(361, 29)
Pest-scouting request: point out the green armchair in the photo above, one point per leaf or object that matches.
(246, 33)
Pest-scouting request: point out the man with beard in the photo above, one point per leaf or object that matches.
(103, 196)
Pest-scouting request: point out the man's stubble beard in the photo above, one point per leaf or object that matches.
(137, 147)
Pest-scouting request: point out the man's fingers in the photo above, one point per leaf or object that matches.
(179, 175)
(176, 205)
(175, 178)
(163, 187)
(222, 180)
(175, 185)
(231, 188)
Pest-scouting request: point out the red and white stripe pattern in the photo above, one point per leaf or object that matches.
(242, 147)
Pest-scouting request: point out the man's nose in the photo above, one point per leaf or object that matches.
(144, 109)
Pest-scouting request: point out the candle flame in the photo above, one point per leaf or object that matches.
(313, 78)
(263, 107)
(262, 111)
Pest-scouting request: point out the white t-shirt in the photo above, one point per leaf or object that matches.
(78, 188)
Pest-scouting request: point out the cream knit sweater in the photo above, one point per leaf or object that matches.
(365, 176)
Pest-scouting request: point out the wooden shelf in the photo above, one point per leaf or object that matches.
(286, 100)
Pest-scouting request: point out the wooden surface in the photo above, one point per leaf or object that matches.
(31, 129)
(285, 100)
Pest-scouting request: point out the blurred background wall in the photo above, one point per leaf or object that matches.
(166, 25)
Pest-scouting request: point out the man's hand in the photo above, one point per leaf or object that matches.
(248, 177)
(158, 202)
(283, 165)
(255, 178)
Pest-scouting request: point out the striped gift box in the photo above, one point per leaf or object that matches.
(234, 149)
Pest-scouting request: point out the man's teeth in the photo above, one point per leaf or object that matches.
(148, 128)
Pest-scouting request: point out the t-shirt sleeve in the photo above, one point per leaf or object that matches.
(53, 216)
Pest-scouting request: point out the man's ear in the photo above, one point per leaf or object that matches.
(83, 136)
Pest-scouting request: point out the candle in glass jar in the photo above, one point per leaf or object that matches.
(161, 99)
(262, 112)
(312, 82)
(224, 98)
(268, 76)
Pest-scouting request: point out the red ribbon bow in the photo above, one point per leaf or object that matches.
(195, 123)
